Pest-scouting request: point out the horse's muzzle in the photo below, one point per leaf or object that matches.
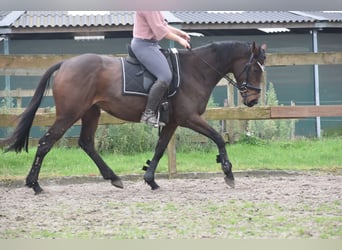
(251, 103)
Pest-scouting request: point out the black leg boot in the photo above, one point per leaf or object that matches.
(155, 96)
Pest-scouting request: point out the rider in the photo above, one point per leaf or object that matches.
(149, 28)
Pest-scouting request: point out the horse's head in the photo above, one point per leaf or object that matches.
(248, 74)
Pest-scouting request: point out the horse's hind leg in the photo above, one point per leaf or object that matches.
(86, 142)
(45, 144)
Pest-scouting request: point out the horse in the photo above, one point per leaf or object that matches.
(86, 84)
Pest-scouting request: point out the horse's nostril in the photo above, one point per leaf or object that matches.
(252, 103)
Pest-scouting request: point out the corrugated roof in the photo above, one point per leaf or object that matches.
(3, 14)
(44, 19)
(221, 17)
(8, 17)
(329, 16)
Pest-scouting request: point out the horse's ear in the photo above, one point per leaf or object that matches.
(264, 46)
(254, 48)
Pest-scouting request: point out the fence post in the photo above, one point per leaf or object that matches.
(263, 87)
(293, 124)
(171, 154)
(19, 98)
(242, 124)
(230, 103)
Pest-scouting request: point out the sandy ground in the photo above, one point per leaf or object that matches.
(302, 205)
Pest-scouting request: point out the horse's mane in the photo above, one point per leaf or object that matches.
(221, 46)
(223, 49)
(239, 46)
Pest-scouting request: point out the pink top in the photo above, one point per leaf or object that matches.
(150, 25)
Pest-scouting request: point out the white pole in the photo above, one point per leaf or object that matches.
(316, 80)
(6, 52)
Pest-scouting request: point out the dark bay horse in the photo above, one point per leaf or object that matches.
(85, 84)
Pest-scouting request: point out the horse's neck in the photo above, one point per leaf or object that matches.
(217, 61)
(210, 63)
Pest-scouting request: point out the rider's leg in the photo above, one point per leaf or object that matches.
(155, 96)
(149, 54)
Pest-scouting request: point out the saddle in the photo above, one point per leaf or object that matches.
(137, 80)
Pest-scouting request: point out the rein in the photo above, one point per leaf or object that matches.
(245, 85)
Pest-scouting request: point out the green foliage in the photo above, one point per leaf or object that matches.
(250, 140)
(333, 132)
(5, 105)
(126, 139)
(189, 140)
(272, 129)
(138, 138)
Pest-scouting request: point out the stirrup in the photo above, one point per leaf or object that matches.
(158, 120)
(149, 117)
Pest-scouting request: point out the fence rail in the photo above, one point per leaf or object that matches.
(43, 118)
(33, 65)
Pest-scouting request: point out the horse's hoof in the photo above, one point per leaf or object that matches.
(35, 186)
(230, 182)
(37, 189)
(152, 184)
(117, 183)
(155, 186)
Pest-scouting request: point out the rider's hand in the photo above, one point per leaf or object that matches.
(184, 43)
(186, 36)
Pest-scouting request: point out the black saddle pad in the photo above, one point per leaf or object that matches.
(138, 81)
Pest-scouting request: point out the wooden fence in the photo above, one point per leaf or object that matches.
(31, 65)
(43, 118)
(36, 65)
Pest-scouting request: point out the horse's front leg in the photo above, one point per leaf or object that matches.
(201, 126)
(226, 165)
(163, 141)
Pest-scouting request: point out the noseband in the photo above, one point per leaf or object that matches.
(243, 87)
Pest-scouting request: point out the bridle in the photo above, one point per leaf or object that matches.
(244, 86)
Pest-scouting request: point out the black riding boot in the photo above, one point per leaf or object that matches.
(155, 96)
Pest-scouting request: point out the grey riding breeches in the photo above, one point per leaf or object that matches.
(148, 53)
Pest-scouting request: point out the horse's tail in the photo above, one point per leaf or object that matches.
(20, 137)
